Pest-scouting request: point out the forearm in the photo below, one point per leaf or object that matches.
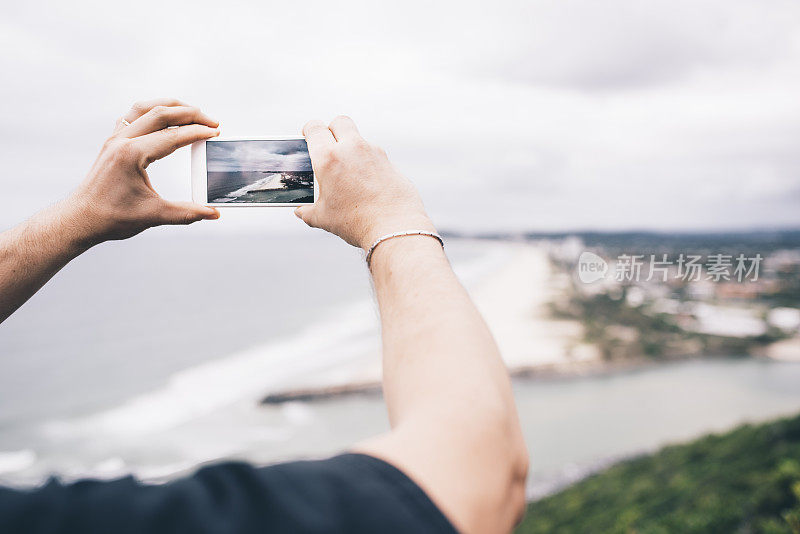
(35, 250)
(438, 353)
(454, 421)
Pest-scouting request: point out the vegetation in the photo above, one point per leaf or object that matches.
(623, 332)
(789, 294)
(744, 481)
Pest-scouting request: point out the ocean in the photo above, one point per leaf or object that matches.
(137, 338)
(150, 357)
(260, 187)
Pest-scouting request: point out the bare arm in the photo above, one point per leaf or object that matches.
(454, 424)
(34, 251)
(116, 201)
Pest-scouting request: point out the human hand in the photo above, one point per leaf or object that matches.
(362, 197)
(116, 200)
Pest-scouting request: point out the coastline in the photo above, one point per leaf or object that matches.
(315, 377)
(534, 372)
(544, 372)
(516, 299)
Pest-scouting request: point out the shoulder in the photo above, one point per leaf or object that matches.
(360, 493)
(346, 493)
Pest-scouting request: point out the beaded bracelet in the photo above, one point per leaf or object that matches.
(401, 234)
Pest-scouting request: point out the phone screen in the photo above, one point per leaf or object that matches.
(259, 172)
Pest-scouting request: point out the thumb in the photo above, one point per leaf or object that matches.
(186, 212)
(307, 214)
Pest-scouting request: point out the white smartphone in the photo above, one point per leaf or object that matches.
(252, 171)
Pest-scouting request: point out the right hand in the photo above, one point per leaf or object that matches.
(362, 197)
(116, 200)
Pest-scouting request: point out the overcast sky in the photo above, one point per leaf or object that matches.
(287, 155)
(544, 115)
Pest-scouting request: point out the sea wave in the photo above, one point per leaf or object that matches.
(250, 373)
(262, 183)
(329, 351)
(11, 461)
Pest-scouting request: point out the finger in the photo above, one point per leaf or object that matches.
(307, 214)
(318, 136)
(162, 143)
(160, 117)
(185, 212)
(320, 140)
(140, 108)
(343, 128)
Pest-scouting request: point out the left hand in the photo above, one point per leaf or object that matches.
(116, 200)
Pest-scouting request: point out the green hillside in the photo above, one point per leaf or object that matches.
(747, 480)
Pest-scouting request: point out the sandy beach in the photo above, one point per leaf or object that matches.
(514, 302)
(787, 350)
(273, 182)
(513, 295)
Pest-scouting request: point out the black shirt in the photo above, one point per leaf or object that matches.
(350, 493)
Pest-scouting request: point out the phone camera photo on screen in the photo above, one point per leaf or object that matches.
(259, 171)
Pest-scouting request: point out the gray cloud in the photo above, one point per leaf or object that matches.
(283, 155)
(620, 44)
(620, 114)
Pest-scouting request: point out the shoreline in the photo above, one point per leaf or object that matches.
(515, 299)
(570, 371)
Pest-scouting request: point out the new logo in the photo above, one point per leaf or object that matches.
(591, 267)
